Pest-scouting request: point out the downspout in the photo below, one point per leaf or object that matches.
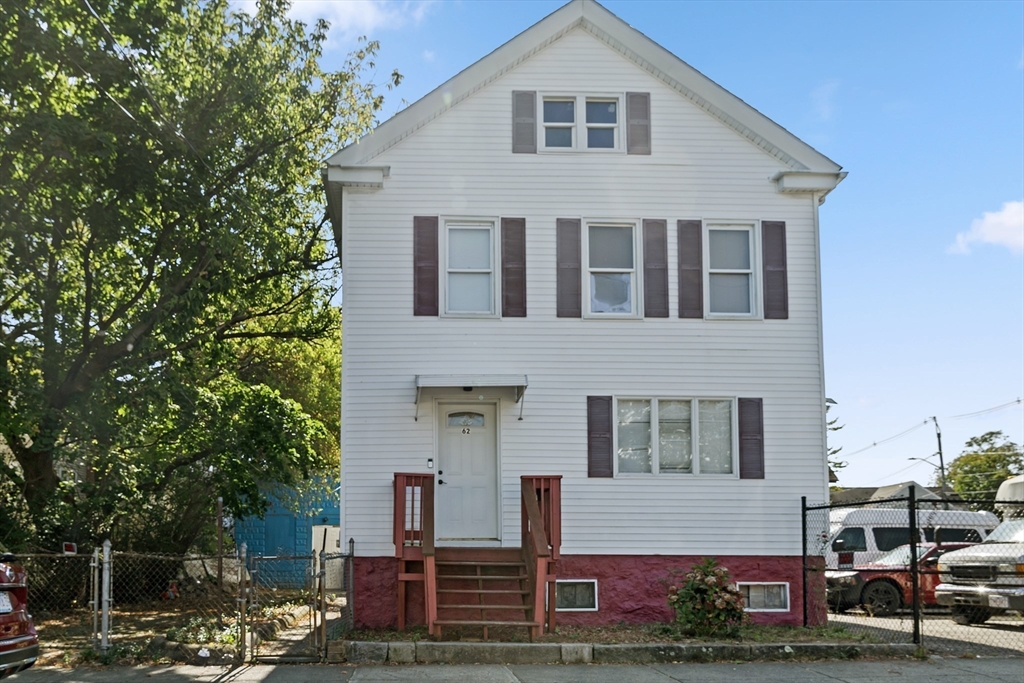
(817, 198)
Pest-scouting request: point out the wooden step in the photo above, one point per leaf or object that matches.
(468, 563)
(484, 577)
(477, 591)
(473, 622)
(479, 555)
(520, 608)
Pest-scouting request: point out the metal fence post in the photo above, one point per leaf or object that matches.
(914, 578)
(243, 607)
(95, 602)
(803, 553)
(105, 618)
(322, 652)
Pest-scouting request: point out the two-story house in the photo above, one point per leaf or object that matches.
(582, 338)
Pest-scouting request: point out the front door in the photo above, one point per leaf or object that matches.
(467, 473)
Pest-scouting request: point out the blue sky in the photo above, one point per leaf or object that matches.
(921, 102)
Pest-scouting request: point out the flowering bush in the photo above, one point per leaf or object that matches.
(705, 602)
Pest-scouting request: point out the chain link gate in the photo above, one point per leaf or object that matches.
(296, 604)
(872, 567)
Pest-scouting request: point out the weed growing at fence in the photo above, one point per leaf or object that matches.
(202, 631)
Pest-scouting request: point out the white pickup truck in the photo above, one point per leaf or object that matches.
(985, 579)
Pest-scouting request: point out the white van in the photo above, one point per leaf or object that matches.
(864, 534)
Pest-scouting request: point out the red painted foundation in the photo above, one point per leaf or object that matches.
(630, 588)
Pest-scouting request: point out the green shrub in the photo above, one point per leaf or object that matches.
(706, 603)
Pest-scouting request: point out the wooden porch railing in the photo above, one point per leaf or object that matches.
(541, 541)
(414, 539)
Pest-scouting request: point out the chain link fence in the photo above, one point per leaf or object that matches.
(297, 604)
(62, 599)
(139, 606)
(946, 574)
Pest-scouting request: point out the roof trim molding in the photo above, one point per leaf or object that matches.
(627, 41)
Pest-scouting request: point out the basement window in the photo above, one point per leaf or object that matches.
(576, 595)
(765, 597)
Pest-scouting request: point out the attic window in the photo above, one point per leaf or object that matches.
(563, 130)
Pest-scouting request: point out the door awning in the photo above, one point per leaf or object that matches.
(517, 382)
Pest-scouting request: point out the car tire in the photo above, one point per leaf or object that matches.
(880, 599)
(966, 615)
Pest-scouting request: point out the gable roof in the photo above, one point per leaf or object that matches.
(624, 39)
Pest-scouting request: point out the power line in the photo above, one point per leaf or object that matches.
(987, 410)
(891, 438)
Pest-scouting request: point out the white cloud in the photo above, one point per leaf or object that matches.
(429, 56)
(352, 18)
(1004, 227)
(823, 99)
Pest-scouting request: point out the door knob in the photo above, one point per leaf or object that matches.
(440, 481)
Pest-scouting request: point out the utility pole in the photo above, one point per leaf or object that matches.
(942, 463)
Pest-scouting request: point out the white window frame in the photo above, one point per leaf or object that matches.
(578, 609)
(754, 237)
(785, 584)
(694, 435)
(457, 222)
(579, 125)
(636, 295)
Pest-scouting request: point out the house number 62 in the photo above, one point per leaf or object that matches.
(465, 430)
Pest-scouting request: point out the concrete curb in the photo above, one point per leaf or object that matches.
(429, 652)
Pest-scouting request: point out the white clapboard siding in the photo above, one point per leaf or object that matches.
(461, 164)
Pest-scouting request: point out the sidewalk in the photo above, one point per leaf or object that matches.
(904, 671)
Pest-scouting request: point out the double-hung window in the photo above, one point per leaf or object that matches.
(675, 436)
(611, 264)
(732, 270)
(470, 284)
(563, 129)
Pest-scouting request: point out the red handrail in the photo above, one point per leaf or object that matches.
(548, 492)
(541, 540)
(414, 512)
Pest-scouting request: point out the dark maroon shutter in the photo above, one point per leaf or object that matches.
(424, 267)
(513, 267)
(599, 436)
(638, 123)
(751, 418)
(655, 269)
(567, 236)
(776, 284)
(524, 122)
(691, 269)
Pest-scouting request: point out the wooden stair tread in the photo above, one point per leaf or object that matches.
(474, 622)
(474, 577)
(483, 563)
(475, 591)
(519, 608)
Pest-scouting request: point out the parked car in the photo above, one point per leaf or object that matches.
(19, 644)
(858, 536)
(986, 579)
(883, 586)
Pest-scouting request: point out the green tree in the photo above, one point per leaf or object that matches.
(833, 426)
(162, 235)
(984, 464)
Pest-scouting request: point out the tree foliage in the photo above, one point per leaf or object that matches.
(986, 462)
(166, 270)
(832, 452)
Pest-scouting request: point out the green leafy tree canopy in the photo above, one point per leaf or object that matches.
(164, 254)
(986, 462)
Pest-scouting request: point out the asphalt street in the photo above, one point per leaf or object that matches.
(935, 670)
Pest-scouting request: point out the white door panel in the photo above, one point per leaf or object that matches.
(467, 500)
